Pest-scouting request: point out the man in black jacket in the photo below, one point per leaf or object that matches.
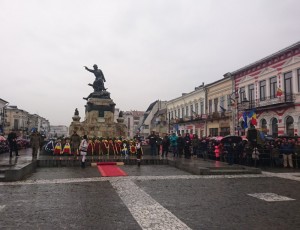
(12, 140)
(180, 145)
(152, 141)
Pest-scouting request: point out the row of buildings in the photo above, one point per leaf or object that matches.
(14, 119)
(265, 93)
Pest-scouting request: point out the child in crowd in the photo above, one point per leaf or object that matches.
(139, 152)
(67, 148)
(57, 148)
(124, 150)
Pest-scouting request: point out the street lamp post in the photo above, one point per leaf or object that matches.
(169, 124)
(3, 118)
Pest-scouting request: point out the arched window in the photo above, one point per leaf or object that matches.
(274, 127)
(264, 126)
(289, 124)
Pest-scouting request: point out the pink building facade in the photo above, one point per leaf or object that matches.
(270, 87)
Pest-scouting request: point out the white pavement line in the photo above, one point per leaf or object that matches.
(198, 177)
(147, 212)
(270, 197)
(2, 207)
(143, 178)
(289, 176)
(55, 181)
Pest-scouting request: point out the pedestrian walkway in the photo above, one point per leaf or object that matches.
(196, 166)
(16, 168)
(25, 157)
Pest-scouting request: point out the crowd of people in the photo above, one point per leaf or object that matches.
(96, 146)
(14, 143)
(281, 151)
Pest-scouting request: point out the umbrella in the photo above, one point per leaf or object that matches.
(232, 139)
(218, 138)
(2, 138)
(244, 138)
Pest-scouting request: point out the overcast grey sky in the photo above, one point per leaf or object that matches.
(147, 49)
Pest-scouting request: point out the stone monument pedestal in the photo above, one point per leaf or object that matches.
(99, 120)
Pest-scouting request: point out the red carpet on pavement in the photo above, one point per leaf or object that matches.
(110, 169)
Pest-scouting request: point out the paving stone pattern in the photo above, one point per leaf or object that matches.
(147, 212)
(225, 203)
(64, 206)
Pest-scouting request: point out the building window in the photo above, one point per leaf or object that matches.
(178, 113)
(264, 126)
(251, 95)
(273, 87)
(196, 108)
(202, 107)
(182, 114)
(289, 126)
(274, 127)
(210, 106)
(229, 101)
(242, 94)
(16, 124)
(192, 110)
(213, 132)
(288, 86)
(186, 111)
(298, 78)
(222, 102)
(224, 131)
(216, 102)
(175, 111)
(262, 90)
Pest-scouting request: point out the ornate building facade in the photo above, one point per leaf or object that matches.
(272, 89)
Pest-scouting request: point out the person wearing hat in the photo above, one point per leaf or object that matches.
(83, 150)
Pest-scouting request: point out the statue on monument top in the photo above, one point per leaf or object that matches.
(98, 84)
(76, 113)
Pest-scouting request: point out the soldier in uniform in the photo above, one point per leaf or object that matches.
(75, 142)
(35, 141)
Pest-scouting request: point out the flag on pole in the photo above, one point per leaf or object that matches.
(223, 109)
(279, 92)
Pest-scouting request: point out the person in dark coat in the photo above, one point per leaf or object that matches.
(75, 140)
(35, 141)
(180, 145)
(12, 141)
(195, 145)
(152, 141)
(287, 150)
(165, 146)
(187, 146)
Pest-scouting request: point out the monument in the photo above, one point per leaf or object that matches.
(99, 118)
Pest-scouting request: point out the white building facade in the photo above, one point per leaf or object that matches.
(186, 114)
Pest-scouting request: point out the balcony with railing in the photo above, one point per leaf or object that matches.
(268, 102)
(219, 115)
(187, 119)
